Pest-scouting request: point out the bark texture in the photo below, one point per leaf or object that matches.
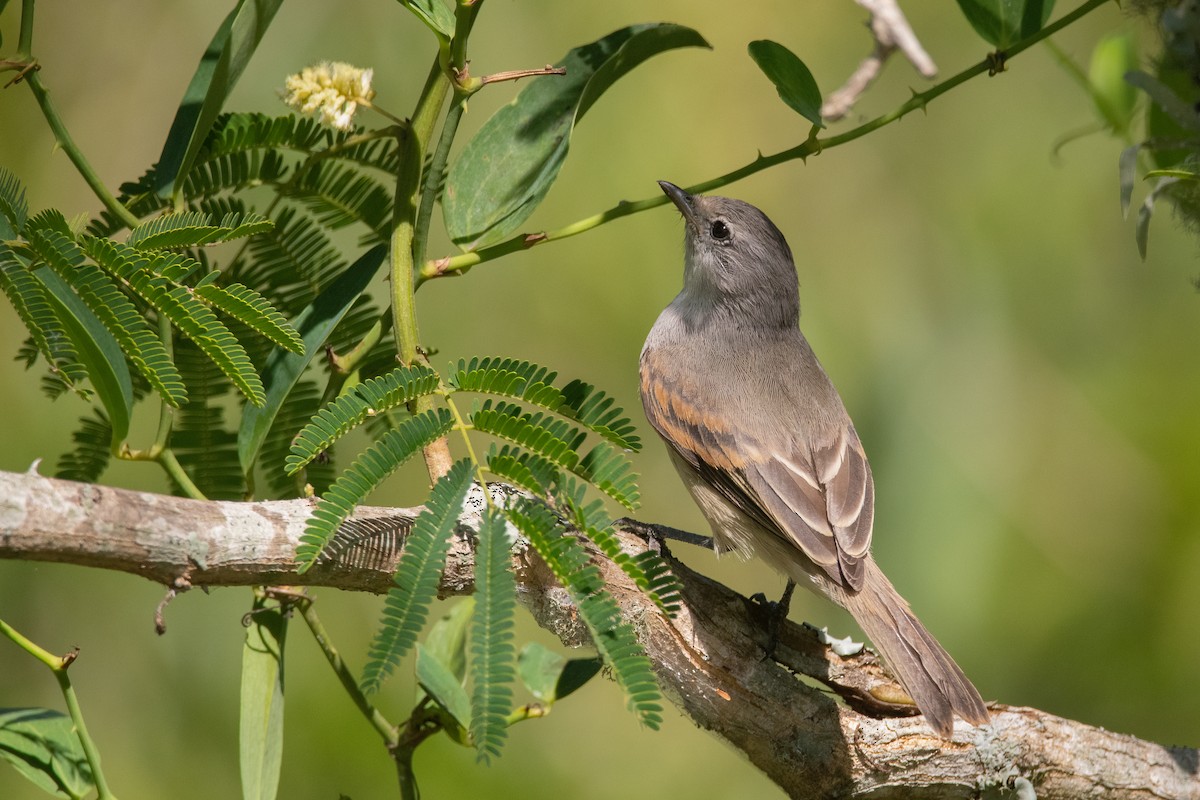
(708, 658)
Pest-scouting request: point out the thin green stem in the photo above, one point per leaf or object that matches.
(460, 424)
(90, 750)
(58, 666)
(25, 38)
(385, 729)
(435, 177)
(59, 128)
(461, 263)
(63, 137)
(171, 464)
(29, 646)
(166, 414)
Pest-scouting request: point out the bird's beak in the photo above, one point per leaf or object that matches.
(682, 200)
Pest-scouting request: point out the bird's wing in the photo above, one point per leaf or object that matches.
(820, 498)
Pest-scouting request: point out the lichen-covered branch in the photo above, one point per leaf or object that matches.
(708, 659)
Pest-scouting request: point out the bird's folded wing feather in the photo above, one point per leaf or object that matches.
(820, 498)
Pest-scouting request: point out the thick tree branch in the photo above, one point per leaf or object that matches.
(709, 658)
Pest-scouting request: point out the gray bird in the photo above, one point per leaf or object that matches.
(765, 446)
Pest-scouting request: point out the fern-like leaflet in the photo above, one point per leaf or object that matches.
(530, 383)
(194, 319)
(492, 652)
(614, 638)
(46, 332)
(527, 470)
(194, 229)
(14, 207)
(102, 295)
(252, 310)
(351, 409)
(416, 580)
(647, 569)
(551, 438)
(93, 443)
(368, 471)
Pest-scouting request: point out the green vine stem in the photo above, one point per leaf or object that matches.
(386, 730)
(459, 264)
(410, 227)
(61, 135)
(58, 666)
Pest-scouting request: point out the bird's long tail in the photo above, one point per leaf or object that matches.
(924, 668)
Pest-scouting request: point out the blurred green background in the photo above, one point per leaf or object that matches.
(1025, 386)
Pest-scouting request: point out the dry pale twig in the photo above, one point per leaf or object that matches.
(891, 32)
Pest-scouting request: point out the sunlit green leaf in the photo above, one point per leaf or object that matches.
(219, 69)
(506, 170)
(435, 14)
(42, 745)
(1113, 56)
(1003, 22)
(793, 81)
(260, 738)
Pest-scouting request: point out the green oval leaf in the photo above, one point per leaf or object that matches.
(1113, 56)
(43, 747)
(219, 69)
(539, 668)
(792, 79)
(439, 682)
(506, 169)
(436, 15)
(260, 738)
(97, 349)
(1002, 22)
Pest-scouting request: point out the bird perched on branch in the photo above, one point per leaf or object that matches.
(761, 439)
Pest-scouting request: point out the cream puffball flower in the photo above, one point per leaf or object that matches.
(333, 89)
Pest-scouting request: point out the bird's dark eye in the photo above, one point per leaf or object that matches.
(719, 231)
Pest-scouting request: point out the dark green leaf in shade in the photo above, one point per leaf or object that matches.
(14, 208)
(91, 454)
(435, 14)
(793, 81)
(446, 689)
(508, 167)
(41, 744)
(97, 348)
(576, 672)
(220, 67)
(447, 639)
(1004, 22)
(314, 324)
(260, 737)
(417, 575)
(539, 668)
(200, 438)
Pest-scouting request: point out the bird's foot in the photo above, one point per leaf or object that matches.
(777, 612)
